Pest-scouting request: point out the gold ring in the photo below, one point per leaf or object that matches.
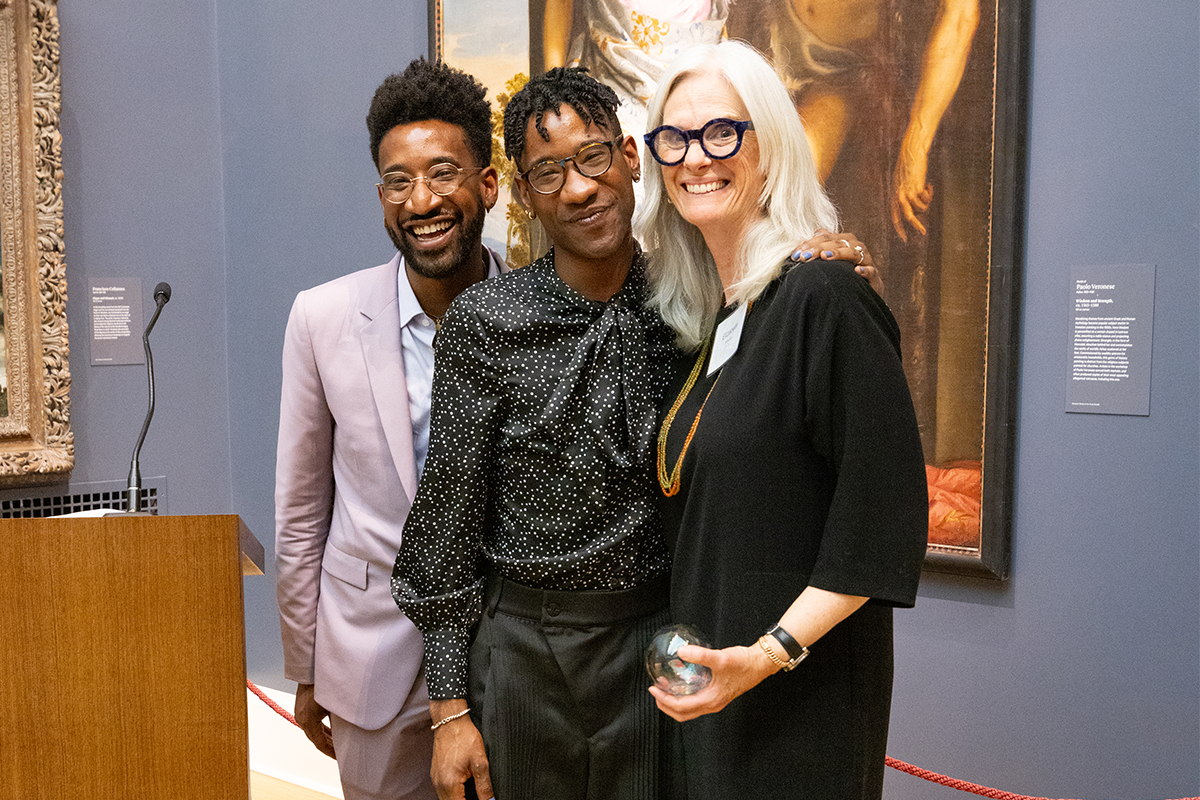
(862, 254)
(843, 241)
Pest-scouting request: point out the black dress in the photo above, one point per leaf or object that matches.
(805, 468)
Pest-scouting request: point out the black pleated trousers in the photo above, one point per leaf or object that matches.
(558, 689)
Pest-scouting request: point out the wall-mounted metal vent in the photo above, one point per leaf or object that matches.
(69, 498)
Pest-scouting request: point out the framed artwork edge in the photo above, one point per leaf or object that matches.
(436, 26)
(993, 560)
(36, 443)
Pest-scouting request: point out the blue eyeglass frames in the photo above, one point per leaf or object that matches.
(719, 138)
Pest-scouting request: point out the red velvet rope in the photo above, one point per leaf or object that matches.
(278, 709)
(894, 763)
(964, 786)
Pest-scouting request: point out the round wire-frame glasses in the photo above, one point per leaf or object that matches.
(719, 138)
(442, 179)
(592, 161)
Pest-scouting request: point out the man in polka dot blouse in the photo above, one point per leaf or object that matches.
(353, 433)
(536, 518)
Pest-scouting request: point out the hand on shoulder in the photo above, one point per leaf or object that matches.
(828, 246)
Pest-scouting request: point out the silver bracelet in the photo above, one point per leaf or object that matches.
(450, 718)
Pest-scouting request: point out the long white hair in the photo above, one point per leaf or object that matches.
(684, 285)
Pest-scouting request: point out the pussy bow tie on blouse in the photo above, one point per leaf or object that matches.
(610, 369)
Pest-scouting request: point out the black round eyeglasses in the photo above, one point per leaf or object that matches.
(719, 138)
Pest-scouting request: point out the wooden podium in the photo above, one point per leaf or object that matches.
(123, 658)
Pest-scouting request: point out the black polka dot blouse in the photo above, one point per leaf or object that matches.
(539, 468)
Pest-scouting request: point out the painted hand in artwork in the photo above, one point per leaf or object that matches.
(911, 195)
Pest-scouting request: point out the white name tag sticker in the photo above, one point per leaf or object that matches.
(725, 343)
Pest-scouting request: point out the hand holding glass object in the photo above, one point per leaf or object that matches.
(667, 669)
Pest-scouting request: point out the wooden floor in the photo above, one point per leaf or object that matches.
(264, 787)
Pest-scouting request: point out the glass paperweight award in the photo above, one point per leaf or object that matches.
(667, 669)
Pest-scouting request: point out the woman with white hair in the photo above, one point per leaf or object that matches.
(788, 450)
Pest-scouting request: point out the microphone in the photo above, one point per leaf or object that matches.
(133, 494)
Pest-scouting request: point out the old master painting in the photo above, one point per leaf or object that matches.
(912, 109)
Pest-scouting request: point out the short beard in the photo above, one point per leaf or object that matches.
(458, 254)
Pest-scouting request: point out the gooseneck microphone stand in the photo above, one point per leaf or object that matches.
(133, 494)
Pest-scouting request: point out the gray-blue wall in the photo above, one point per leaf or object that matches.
(142, 197)
(220, 146)
(1079, 677)
(300, 209)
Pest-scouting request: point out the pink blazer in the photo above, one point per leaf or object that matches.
(343, 486)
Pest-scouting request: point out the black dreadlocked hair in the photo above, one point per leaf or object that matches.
(433, 90)
(594, 102)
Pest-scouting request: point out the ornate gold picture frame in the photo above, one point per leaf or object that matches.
(36, 445)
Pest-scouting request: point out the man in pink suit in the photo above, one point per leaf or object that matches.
(354, 430)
